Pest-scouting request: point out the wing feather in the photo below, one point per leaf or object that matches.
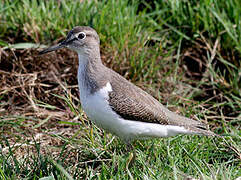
(132, 103)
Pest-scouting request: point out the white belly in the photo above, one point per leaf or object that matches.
(97, 108)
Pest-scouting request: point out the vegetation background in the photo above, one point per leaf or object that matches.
(185, 53)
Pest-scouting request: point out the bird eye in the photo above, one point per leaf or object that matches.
(81, 35)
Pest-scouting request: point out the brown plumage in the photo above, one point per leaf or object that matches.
(132, 103)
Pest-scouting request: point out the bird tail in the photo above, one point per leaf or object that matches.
(193, 126)
(201, 131)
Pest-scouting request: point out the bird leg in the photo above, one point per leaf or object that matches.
(132, 155)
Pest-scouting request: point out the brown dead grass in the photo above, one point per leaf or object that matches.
(27, 76)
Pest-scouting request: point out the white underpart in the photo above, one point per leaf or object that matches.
(97, 108)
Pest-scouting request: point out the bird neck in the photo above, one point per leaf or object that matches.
(91, 72)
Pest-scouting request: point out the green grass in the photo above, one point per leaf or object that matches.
(186, 54)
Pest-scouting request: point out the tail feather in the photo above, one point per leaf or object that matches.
(194, 126)
(196, 130)
(179, 120)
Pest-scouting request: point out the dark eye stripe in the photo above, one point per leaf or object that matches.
(69, 41)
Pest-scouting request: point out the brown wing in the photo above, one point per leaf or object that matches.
(132, 103)
(129, 108)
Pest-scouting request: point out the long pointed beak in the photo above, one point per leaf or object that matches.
(53, 48)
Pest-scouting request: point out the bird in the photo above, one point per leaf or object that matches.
(115, 104)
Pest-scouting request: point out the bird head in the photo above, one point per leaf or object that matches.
(79, 39)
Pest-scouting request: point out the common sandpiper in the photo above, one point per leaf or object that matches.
(115, 104)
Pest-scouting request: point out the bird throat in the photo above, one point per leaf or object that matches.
(91, 74)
